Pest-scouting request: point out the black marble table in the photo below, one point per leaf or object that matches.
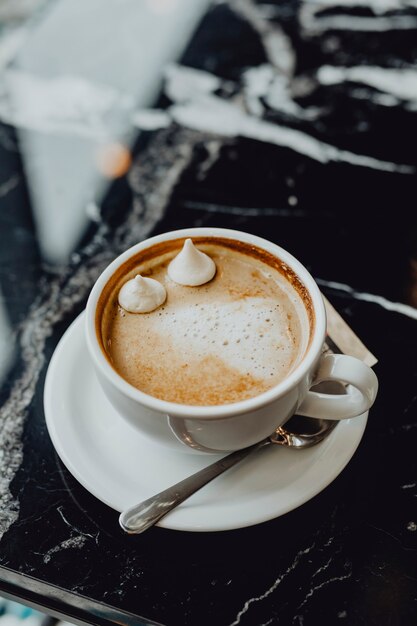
(295, 121)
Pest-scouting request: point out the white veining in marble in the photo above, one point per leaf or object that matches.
(382, 99)
(407, 427)
(377, 6)
(213, 148)
(182, 83)
(196, 106)
(263, 83)
(324, 583)
(278, 88)
(244, 211)
(74, 528)
(77, 541)
(398, 82)
(397, 307)
(314, 25)
(277, 44)
(213, 115)
(407, 409)
(298, 557)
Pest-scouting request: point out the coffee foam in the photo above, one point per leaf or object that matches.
(225, 341)
(253, 336)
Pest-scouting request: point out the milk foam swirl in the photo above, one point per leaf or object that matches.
(141, 295)
(191, 267)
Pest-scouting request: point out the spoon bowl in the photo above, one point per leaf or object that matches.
(302, 432)
(298, 433)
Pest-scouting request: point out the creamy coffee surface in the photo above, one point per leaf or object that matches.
(225, 341)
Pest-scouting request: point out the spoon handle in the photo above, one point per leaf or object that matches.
(144, 515)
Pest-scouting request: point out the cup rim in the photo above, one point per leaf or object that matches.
(215, 411)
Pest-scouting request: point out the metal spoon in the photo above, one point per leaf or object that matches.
(299, 433)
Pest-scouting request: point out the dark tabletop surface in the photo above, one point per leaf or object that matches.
(295, 121)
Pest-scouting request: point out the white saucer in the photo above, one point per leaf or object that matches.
(121, 467)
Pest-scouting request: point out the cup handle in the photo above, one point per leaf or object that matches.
(361, 390)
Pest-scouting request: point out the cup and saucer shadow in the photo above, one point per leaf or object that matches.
(120, 466)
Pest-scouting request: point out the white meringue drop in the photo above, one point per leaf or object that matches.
(191, 267)
(142, 295)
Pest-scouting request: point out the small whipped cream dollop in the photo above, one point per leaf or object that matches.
(142, 295)
(191, 267)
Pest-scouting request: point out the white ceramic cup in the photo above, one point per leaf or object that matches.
(240, 424)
